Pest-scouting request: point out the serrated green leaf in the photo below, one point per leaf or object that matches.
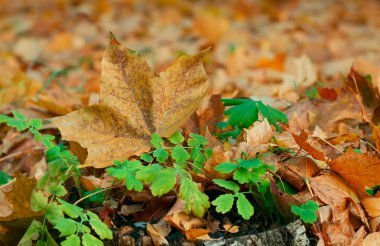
(71, 210)
(229, 185)
(307, 211)
(54, 212)
(242, 175)
(38, 201)
(4, 118)
(18, 115)
(161, 155)
(36, 123)
(148, 173)
(208, 153)
(146, 157)
(242, 115)
(98, 197)
(90, 240)
(226, 167)
(99, 227)
(31, 234)
(196, 201)
(156, 141)
(196, 140)
(224, 203)
(57, 190)
(273, 115)
(244, 207)
(56, 167)
(179, 154)
(82, 228)
(65, 226)
(132, 183)
(163, 182)
(72, 240)
(176, 138)
(251, 163)
(18, 124)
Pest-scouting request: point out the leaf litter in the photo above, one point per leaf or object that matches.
(324, 153)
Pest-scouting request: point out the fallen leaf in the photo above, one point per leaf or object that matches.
(231, 228)
(194, 234)
(358, 170)
(16, 199)
(301, 140)
(371, 205)
(260, 133)
(372, 239)
(157, 238)
(134, 103)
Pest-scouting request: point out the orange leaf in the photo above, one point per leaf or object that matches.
(358, 170)
(301, 141)
(134, 103)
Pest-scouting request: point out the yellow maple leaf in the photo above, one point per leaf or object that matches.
(134, 103)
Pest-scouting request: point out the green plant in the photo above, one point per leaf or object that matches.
(168, 164)
(62, 165)
(244, 112)
(306, 211)
(246, 172)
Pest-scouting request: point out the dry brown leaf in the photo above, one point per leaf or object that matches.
(358, 170)
(329, 187)
(194, 234)
(372, 239)
(231, 228)
(301, 140)
(16, 199)
(260, 133)
(157, 238)
(371, 205)
(134, 103)
(296, 169)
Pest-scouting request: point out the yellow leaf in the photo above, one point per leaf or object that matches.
(134, 103)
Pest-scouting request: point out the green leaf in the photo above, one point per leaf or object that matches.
(208, 153)
(90, 240)
(242, 175)
(229, 185)
(243, 115)
(4, 178)
(132, 183)
(196, 140)
(179, 154)
(18, 115)
(196, 201)
(156, 141)
(161, 155)
(163, 182)
(71, 210)
(307, 211)
(54, 212)
(226, 167)
(244, 207)
(72, 240)
(36, 123)
(99, 227)
(4, 118)
(251, 163)
(146, 157)
(31, 234)
(148, 173)
(57, 190)
(38, 201)
(224, 203)
(20, 125)
(66, 226)
(176, 138)
(273, 115)
(98, 197)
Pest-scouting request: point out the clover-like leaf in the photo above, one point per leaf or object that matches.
(163, 182)
(179, 154)
(307, 211)
(134, 104)
(196, 201)
(244, 207)
(224, 203)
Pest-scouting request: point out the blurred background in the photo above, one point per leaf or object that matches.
(50, 50)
